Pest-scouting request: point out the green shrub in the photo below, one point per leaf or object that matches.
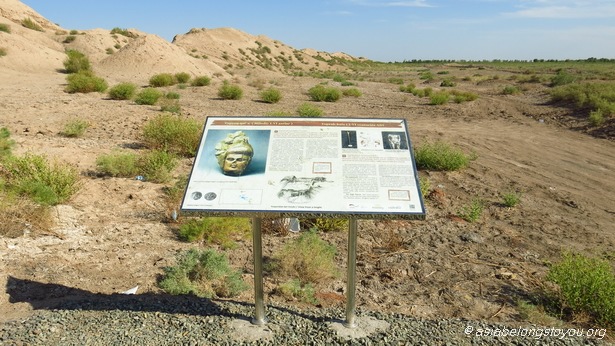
(6, 143)
(321, 93)
(271, 95)
(223, 231)
(595, 96)
(293, 289)
(201, 81)
(307, 258)
(3, 52)
(439, 98)
(76, 62)
(162, 80)
(511, 90)
(74, 32)
(45, 183)
(562, 78)
(511, 199)
(109, 51)
(353, 92)
(202, 273)
(173, 133)
(5, 28)
(309, 111)
(426, 76)
(596, 118)
(182, 77)
(30, 24)
(586, 285)
(472, 212)
(69, 39)
(118, 164)
(156, 166)
(148, 96)
(396, 80)
(425, 185)
(122, 91)
(75, 128)
(123, 32)
(324, 224)
(229, 91)
(463, 96)
(171, 106)
(172, 95)
(447, 83)
(440, 156)
(85, 82)
(418, 92)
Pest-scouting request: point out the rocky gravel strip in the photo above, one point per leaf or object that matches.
(193, 321)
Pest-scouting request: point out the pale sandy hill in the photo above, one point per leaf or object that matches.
(147, 55)
(98, 44)
(16, 11)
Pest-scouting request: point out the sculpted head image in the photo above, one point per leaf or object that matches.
(234, 153)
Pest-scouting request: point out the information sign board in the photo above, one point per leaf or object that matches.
(286, 167)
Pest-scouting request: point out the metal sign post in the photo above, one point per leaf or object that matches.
(351, 285)
(257, 244)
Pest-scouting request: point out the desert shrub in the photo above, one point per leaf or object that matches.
(202, 273)
(439, 98)
(122, 91)
(76, 62)
(31, 24)
(511, 199)
(271, 95)
(324, 224)
(307, 258)
(424, 185)
(118, 164)
(74, 32)
(6, 143)
(5, 28)
(418, 92)
(109, 51)
(511, 90)
(171, 106)
(322, 93)
(396, 80)
(201, 81)
(21, 214)
(595, 96)
(440, 156)
(586, 285)
(426, 76)
(69, 39)
(148, 96)
(447, 83)
(562, 78)
(229, 91)
(294, 289)
(596, 118)
(75, 128)
(123, 32)
(407, 88)
(223, 231)
(172, 133)
(309, 111)
(353, 92)
(44, 182)
(463, 96)
(473, 211)
(156, 166)
(182, 77)
(3, 52)
(85, 82)
(162, 80)
(172, 95)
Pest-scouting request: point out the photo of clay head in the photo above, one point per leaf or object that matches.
(394, 140)
(235, 153)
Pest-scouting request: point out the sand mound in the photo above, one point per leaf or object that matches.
(16, 11)
(98, 44)
(150, 54)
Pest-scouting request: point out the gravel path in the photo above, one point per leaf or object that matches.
(158, 320)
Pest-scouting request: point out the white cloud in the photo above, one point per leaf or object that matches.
(379, 3)
(565, 9)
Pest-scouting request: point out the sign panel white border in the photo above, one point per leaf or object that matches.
(324, 166)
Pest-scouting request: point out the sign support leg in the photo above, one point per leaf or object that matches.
(351, 280)
(257, 245)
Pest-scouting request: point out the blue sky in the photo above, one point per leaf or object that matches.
(382, 30)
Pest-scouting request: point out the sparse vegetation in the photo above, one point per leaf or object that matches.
(595, 96)
(118, 164)
(69, 39)
(201, 81)
(162, 80)
(156, 165)
(463, 96)
(271, 95)
(31, 24)
(228, 91)
(511, 199)
(586, 285)
(293, 289)
(123, 32)
(562, 78)
(148, 96)
(123, 91)
(5, 28)
(204, 273)
(85, 82)
(320, 93)
(170, 105)
(6, 143)
(439, 98)
(352, 92)
(75, 128)
(596, 118)
(223, 231)
(440, 156)
(511, 90)
(324, 224)
(76, 62)
(473, 211)
(182, 77)
(3, 52)
(172, 133)
(309, 111)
